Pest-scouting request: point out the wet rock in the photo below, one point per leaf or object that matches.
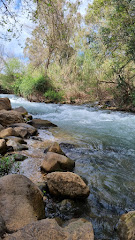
(2, 226)
(1, 127)
(42, 145)
(22, 110)
(21, 202)
(20, 126)
(126, 226)
(28, 117)
(67, 184)
(17, 156)
(49, 229)
(55, 147)
(39, 123)
(16, 146)
(8, 132)
(5, 104)
(56, 162)
(16, 139)
(3, 146)
(36, 138)
(10, 117)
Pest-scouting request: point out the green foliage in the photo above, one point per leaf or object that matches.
(6, 164)
(54, 96)
(13, 71)
(32, 81)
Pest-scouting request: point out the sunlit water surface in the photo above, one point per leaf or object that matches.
(103, 146)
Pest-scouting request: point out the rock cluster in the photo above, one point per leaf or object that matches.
(21, 201)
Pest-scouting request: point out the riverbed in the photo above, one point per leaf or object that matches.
(102, 143)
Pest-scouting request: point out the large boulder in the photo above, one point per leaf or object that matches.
(39, 123)
(5, 104)
(126, 226)
(3, 146)
(48, 229)
(23, 127)
(10, 117)
(67, 184)
(21, 201)
(56, 162)
(8, 132)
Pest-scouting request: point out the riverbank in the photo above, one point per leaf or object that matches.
(84, 99)
(97, 141)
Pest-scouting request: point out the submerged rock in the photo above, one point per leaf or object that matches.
(126, 226)
(21, 201)
(39, 123)
(67, 184)
(10, 117)
(56, 162)
(5, 104)
(48, 229)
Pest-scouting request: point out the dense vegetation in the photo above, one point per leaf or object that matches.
(73, 57)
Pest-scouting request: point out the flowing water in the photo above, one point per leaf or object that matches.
(102, 143)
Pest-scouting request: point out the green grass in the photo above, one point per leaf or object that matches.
(6, 164)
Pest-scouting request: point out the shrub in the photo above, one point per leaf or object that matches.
(6, 164)
(54, 96)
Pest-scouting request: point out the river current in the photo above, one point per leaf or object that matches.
(102, 143)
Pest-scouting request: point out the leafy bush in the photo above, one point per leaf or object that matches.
(13, 71)
(6, 164)
(54, 96)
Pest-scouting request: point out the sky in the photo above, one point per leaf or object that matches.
(15, 46)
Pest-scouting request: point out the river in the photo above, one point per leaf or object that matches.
(102, 143)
